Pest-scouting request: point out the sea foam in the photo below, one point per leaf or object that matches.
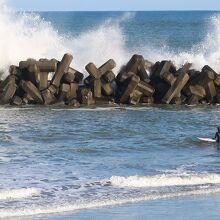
(68, 207)
(25, 35)
(165, 180)
(11, 194)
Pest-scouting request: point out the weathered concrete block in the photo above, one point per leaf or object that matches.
(9, 79)
(193, 73)
(64, 87)
(53, 89)
(16, 100)
(97, 88)
(74, 103)
(108, 66)
(176, 88)
(43, 84)
(160, 69)
(148, 65)
(24, 101)
(194, 100)
(203, 78)
(59, 103)
(145, 88)
(176, 101)
(142, 73)
(134, 63)
(43, 65)
(88, 80)
(33, 74)
(154, 69)
(48, 97)
(68, 77)
(217, 80)
(168, 78)
(26, 64)
(78, 77)
(217, 98)
(97, 73)
(197, 90)
(73, 91)
(109, 77)
(73, 76)
(107, 89)
(185, 68)
(62, 68)
(147, 100)
(210, 91)
(28, 97)
(64, 92)
(183, 99)
(7, 90)
(85, 96)
(47, 66)
(124, 76)
(207, 68)
(132, 84)
(135, 97)
(32, 90)
(16, 71)
(93, 70)
(161, 88)
(104, 101)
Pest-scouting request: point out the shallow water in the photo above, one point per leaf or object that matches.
(64, 160)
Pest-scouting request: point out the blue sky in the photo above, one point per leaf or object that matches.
(99, 5)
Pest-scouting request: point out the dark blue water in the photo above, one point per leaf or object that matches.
(114, 163)
(179, 30)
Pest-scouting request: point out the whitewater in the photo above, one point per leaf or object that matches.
(28, 34)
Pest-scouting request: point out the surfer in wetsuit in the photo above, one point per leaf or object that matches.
(217, 135)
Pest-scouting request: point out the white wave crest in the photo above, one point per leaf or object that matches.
(206, 52)
(25, 35)
(165, 180)
(61, 208)
(11, 194)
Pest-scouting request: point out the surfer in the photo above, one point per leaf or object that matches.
(217, 135)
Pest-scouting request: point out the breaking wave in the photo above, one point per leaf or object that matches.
(25, 35)
(165, 180)
(68, 207)
(12, 194)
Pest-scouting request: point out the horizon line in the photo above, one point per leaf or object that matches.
(174, 10)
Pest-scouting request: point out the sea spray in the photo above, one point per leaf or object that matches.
(25, 35)
(206, 52)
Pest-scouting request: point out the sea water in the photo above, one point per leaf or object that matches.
(118, 162)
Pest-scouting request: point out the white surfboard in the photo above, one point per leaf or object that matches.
(210, 140)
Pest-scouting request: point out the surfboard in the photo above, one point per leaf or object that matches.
(210, 140)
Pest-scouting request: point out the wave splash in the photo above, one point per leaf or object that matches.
(25, 35)
(165, 180)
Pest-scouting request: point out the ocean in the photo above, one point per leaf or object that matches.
(117, 162)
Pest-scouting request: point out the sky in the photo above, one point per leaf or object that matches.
(113, 5)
